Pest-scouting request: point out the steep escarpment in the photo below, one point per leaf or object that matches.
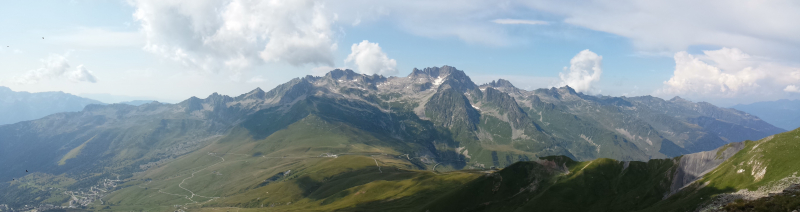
(693, 166)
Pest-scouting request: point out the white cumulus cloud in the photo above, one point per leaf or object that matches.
(584, 70)
(81, 74)
(729, 73)
(792, 88)
(56, 67)
(217, 35)
(370, 59)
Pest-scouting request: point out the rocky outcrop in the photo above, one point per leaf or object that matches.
(502, 85)
(693, 166)
(450, 108)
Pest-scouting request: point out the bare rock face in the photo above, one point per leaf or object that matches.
(794, 188)
(693, 166)
(449, 108)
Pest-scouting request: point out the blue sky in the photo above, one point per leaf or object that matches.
(724, 52)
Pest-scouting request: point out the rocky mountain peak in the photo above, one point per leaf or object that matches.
(350, 75)
(678, 99)
(435, 72)
(342, 74)
(566, 89)
(445, 77)
(501, 83)
(415, 72)
(191, 104)
(544, 92)
(254, 94)
(216, 98)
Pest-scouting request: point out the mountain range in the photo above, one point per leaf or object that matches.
(322, 140)
(23, 106)
(782, 113)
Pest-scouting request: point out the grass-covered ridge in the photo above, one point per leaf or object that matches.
(560, 184)
(760, 164)
(762, 167)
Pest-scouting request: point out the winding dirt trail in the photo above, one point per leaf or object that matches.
(376, 163)
(180, 185)
(184, 180)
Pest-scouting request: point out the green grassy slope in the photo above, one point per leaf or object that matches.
(763, 166)
(45, 188)
(240, 171)
(598, 185)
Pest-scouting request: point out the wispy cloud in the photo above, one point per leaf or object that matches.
(99, 38)
(520, 21)
(257, 79)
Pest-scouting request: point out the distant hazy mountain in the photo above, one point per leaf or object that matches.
(123, 99)
(23, 106)
(782, 113)
(318, 139)
(137, 102)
